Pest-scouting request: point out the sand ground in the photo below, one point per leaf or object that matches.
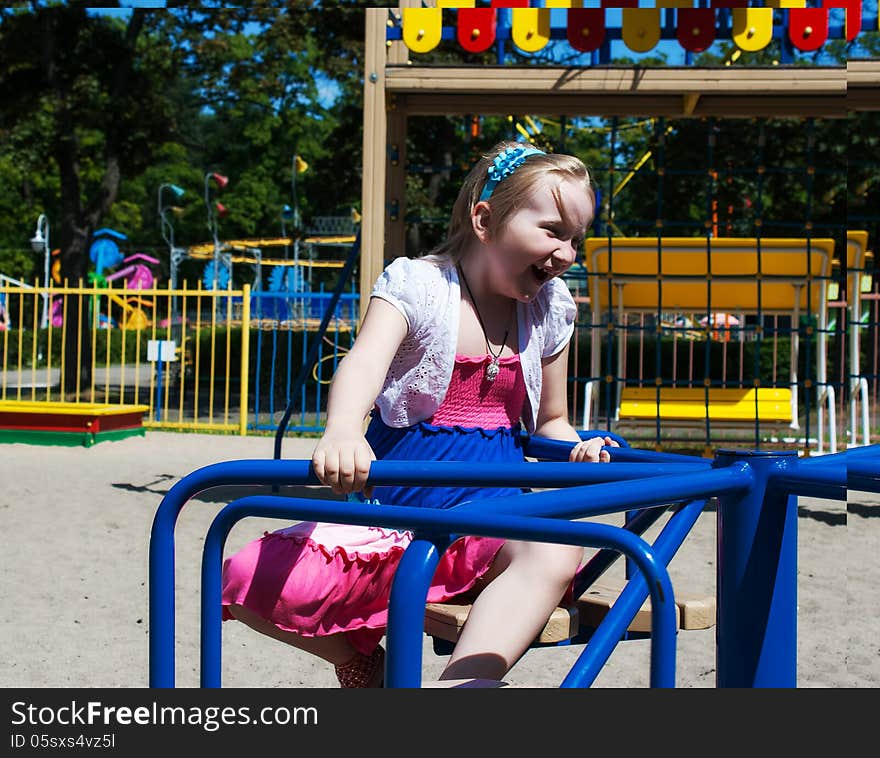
(75, 541)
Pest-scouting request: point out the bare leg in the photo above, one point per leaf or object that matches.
(353, 669)
(334, 648)
(526, 582)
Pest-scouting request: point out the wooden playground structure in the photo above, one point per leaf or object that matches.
(397, 87)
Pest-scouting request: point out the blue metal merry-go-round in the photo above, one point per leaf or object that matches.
(756, 491)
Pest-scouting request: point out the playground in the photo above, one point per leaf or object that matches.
(739, 320)
(730, 316)
(85, 621)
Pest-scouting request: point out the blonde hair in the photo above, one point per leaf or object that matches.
(508, 196)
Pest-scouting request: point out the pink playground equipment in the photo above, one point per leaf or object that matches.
(135, 274)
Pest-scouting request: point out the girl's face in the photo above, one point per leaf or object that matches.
(541, 239)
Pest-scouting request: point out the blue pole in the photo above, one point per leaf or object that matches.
(406, 612)
(161, 561)
(212, 592)
(614, 626)
(613, 497)
(159, 387)
(756, 632)
(603, 559)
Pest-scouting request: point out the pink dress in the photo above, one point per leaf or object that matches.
(317, 579)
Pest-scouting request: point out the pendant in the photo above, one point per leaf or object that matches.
(492, 370)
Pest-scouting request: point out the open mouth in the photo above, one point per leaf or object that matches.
(542, 275)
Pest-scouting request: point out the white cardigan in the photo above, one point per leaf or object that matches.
(427, 294)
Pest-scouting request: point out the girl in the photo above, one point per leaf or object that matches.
(455, 351)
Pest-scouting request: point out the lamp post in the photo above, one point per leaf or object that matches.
(167, 227)
(40, 242)
(221, 181)
(168, 235)
(289, 214)
(286, 215)
(297, 165)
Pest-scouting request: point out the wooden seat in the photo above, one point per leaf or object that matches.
(693, 611)
(445, 620)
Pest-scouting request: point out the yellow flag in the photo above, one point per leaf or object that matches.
(355, 216)
(301, 165)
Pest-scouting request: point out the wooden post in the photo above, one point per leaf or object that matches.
(396, 182)
(398, 55)
(383, 201)
(374, 160)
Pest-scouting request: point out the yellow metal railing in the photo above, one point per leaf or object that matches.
(116, 359)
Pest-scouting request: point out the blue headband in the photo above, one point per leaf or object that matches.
(504, 165)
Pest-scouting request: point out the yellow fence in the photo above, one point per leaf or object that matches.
(179, 352)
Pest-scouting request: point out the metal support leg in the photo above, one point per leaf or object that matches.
(756, 632)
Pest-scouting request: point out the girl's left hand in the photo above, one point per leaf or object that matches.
(590, 451)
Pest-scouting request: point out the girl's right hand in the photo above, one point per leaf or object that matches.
(342, 462)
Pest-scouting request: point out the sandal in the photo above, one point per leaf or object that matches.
(363, 670)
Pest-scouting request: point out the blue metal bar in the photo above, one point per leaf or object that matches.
(161, 566)
(406, 611)
(603, 559)
(863, 470)
(756, 630)
(756, 633)
(434, 522)
(831, 459)
(211, 608)
(868, 451)
(613, 497)
(799, 477)
(558, 450)
(421, 473)
(601, 644)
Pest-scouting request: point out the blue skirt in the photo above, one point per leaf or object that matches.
(427, 442)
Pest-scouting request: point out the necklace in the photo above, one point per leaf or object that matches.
(492, 369)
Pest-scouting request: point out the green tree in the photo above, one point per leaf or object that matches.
(80, 76)
(100, 111)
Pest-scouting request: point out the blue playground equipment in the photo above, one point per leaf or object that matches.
(756, 551)
(104, 251)
(286, 279)
(286, 284)
(223, 274)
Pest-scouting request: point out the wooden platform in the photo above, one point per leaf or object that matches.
(693, 611)
(71, 424)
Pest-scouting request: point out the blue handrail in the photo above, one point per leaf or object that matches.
(863, 468)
